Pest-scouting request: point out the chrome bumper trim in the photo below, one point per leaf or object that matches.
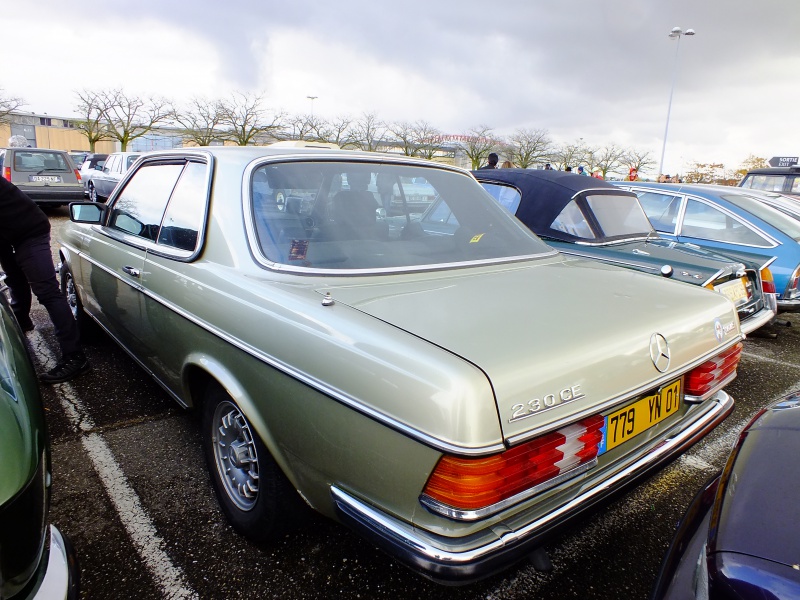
(59, 581)
(434, 555)
(761, 318)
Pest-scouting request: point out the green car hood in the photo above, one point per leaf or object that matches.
(547, 325)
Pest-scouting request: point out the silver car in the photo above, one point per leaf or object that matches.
(92, 164)
(103, 182)
(456, 398)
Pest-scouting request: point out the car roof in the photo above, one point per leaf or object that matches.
(244, 154)
(775, 171)
(545, 193)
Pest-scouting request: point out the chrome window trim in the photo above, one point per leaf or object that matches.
(334, 393)
(621, 400)
(258, 256)
(475, 515)
(149, 245)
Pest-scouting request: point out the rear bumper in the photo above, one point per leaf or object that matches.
(788, 305)
(61, 577)
(759, 319)
(461, 560)
(54, 195)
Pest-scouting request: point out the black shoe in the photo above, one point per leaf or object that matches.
(69, 368)
(26, 324)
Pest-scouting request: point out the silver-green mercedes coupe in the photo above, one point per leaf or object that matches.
(454, 391)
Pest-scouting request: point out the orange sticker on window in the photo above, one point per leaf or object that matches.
(476, 239)
(298, 250)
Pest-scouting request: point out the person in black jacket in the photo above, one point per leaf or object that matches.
(27, 260)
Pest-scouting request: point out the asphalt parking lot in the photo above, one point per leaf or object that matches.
(132, 493)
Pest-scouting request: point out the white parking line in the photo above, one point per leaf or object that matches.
(129, 507)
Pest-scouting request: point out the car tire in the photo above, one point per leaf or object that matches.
(93, 193)
(254, 494)
(86, 326)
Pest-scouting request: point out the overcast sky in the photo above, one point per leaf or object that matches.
(600, 70)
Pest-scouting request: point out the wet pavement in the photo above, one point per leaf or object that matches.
(131, 490)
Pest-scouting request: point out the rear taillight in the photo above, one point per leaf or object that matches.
(7, 173)
(472, 484)
(78, 175)
(791, 289)
(767, 281)
(713, 373)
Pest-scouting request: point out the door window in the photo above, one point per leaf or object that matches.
(707, 222)
(140, 206)
(661, 209)
(184, 217)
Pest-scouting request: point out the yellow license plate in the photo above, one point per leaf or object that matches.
(735, 291)
(628, 422)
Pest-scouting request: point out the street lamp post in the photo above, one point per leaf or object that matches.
(312, 98)
(676, 33)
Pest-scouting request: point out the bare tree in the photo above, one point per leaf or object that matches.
(368, 132)
(427, 138)
(246, 121)
(130, 117)
(639, 160)
(8, 104)
(607, 158)
(201, 121)
(336, 131)
(526, 147)
(569, 155)
(92, 123)
(477, 143)
(404, 137)
(302, 127)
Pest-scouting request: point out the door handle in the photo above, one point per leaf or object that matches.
(132, 271)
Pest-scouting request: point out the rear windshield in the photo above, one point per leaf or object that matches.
(38, 162)
(345, 215)
(788, 225)
(619, 215)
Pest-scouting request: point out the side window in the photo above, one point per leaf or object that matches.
(187, 207)
(140, 206)
(507, 196)
(571, 220)
(709, 223)
(109, 166)
(795, 189)
(661, 209)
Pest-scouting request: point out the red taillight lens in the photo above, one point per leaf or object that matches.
(78, 175)
(7, 173)
(475, 483)
(710, 374)
(768, 281)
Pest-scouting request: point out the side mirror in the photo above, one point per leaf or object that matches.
(87, 212)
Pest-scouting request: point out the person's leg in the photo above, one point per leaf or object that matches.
(19, 288)
(36, 262)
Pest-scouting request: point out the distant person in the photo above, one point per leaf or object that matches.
(547, 167)
(493, 159)
(633, 174)
(27, 260)
(597, 173)
(507, 165)
(568, 169)
(582, 171)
